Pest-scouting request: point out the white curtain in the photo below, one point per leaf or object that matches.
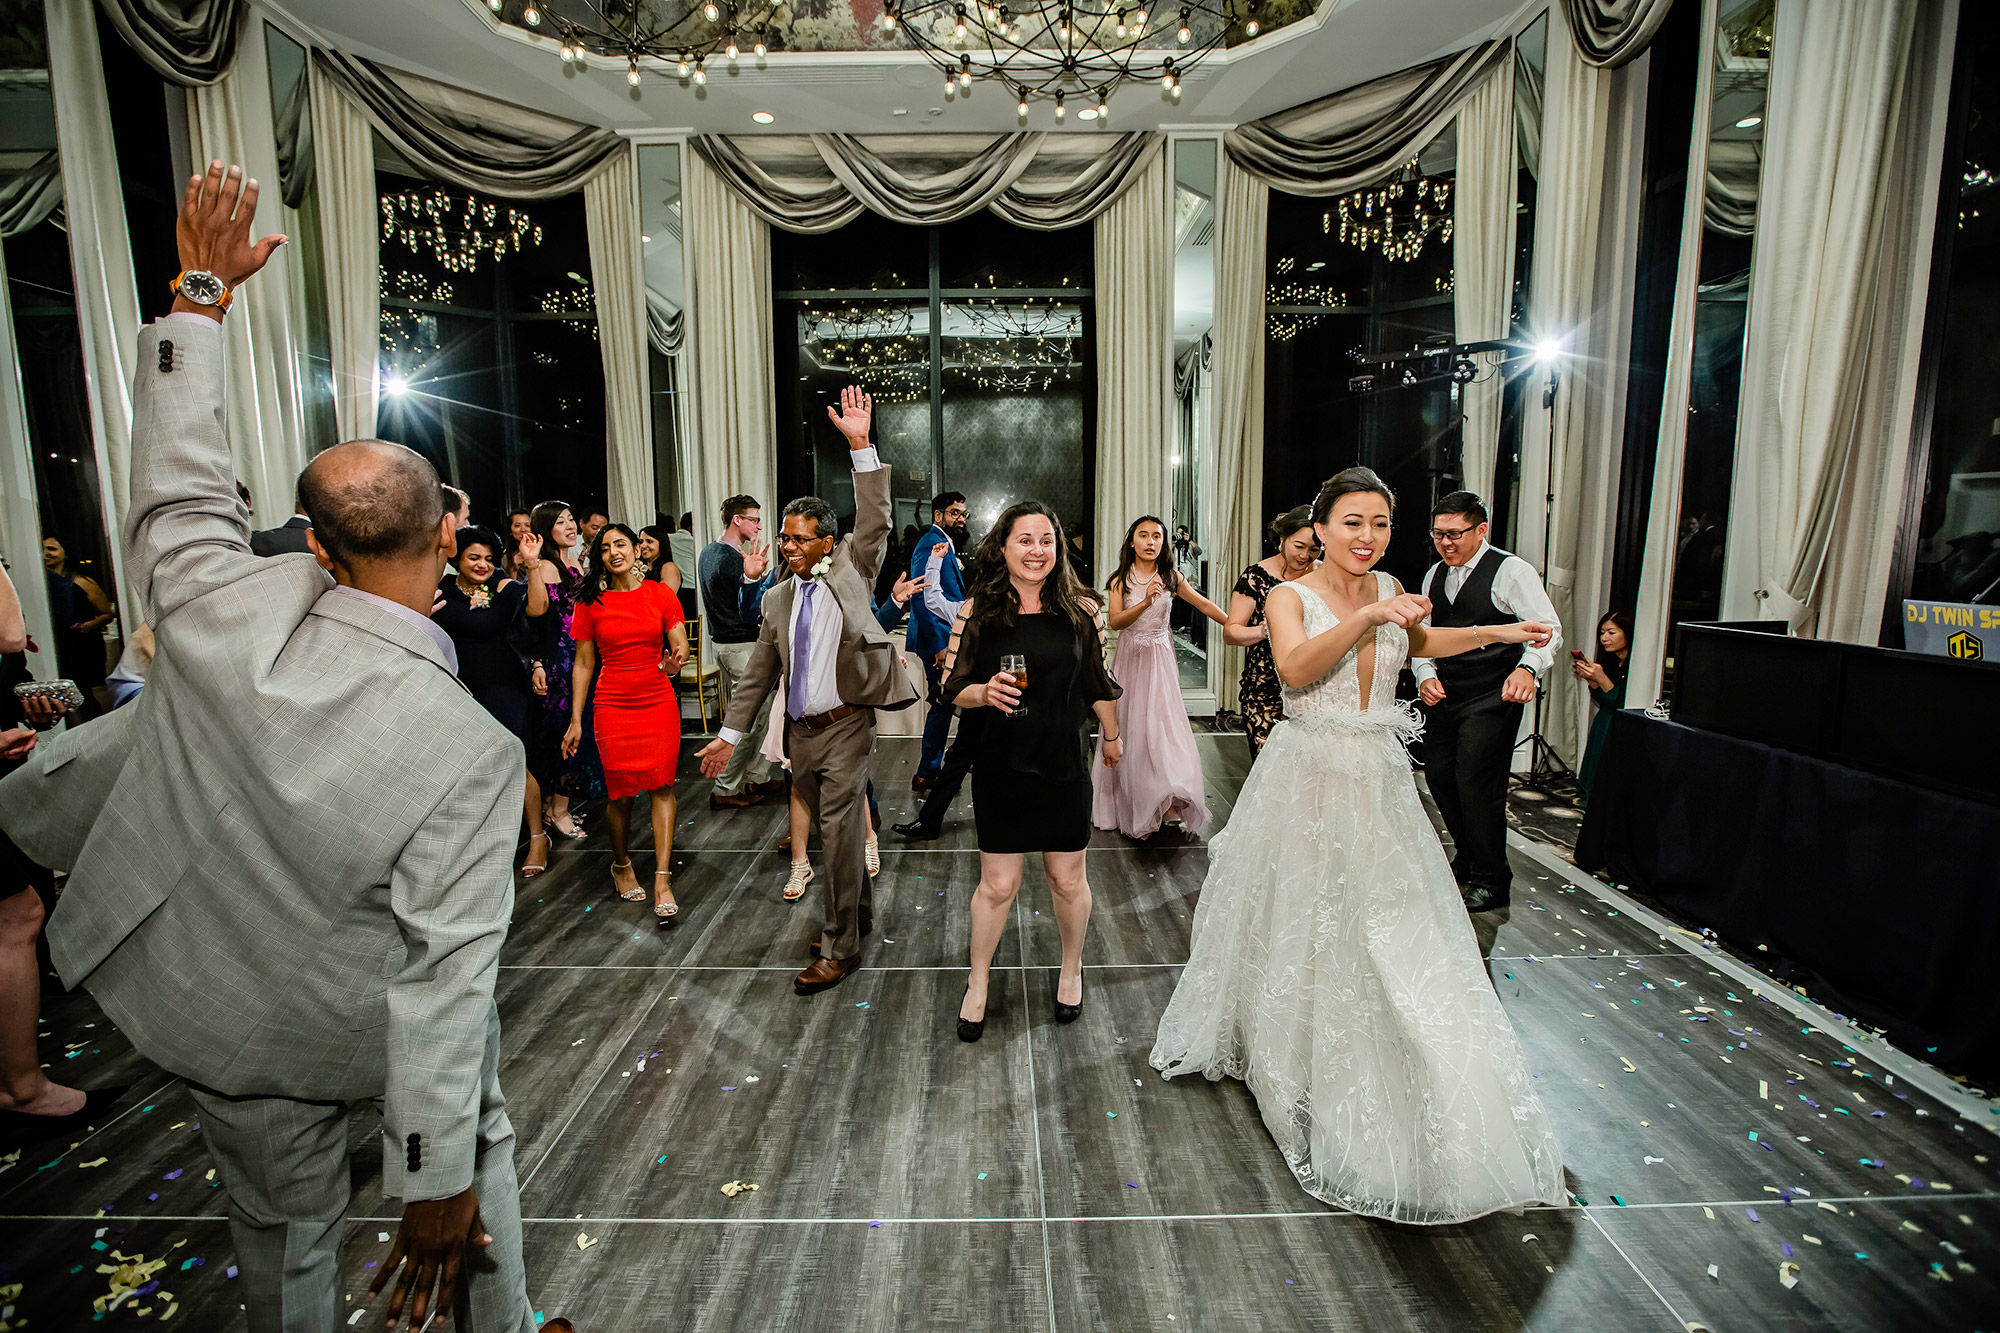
(1244, 209)
(1134, 250)
(20, 512)
(729, 303)
(1482, 242)
(1586, 240)
(350, 243)
(1816, 471)
(264, 411)
(107, 297)
(1650, 648)
(618, 285)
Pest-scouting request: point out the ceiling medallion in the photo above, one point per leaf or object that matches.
(681, 36)
(1053, 50)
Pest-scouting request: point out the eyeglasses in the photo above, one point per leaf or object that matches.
(1452, 534)
(787, 539)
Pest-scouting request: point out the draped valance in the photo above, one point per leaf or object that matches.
(816, 182)
(1350, 139)
(469, 140)
(188, 42)
(31, 195)
(1610, 33)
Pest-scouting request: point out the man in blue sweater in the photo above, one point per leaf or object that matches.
(734, 571)
(935, 560)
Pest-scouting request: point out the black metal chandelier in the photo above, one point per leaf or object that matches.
(1055, 50)
(682, 36)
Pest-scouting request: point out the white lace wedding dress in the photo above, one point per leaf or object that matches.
(1334, 970)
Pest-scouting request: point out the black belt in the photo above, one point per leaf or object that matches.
(821, 721)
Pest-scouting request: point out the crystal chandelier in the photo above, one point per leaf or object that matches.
(1055, 50)
(1396, 218)
(458, 229)
(681, 35)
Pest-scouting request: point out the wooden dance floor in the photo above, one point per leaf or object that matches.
(1046, 1178)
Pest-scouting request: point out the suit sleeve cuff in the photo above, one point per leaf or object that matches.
(730, 734)
(1423, 669)
(865, 460)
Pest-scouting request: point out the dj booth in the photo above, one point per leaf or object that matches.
(1839, 804)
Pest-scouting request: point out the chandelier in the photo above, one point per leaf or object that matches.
(457, 229)
(1396, 218)
(1052, 50)
(683, 35)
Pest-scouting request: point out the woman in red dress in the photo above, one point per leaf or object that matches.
(633, 627)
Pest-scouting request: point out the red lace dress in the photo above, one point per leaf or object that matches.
(634, 710)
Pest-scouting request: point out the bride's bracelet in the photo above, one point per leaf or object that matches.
(1479, 642)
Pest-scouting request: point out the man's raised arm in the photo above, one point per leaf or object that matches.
(186, 530)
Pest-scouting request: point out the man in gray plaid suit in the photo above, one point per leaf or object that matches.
(299, 877)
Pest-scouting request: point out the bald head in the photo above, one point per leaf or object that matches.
(372, 501)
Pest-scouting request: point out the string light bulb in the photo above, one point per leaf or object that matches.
(533, 16)
(700, 75)
(889, 20)
(1059, 108)
(1022, 109)
(759, 49)
(1121, 23)
(1103, 107)
(1185, 31)
(632, 74)
(958, 28)
(681, 68)
(1250, 28)
(731, 51)
(710, 12)
(493, 5)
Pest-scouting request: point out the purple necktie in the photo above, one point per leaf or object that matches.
(801, 649)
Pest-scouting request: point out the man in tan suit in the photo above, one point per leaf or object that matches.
(821, 645)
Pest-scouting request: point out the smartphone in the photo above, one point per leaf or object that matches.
(1576, 653)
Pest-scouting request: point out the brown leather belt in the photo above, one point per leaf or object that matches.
(821, 721)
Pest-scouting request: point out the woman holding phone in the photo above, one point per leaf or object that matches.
(1027, 646)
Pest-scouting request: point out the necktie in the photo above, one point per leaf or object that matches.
(795, 703)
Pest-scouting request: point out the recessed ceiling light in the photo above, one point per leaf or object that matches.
(900, 111)
(762, 117)
(1749, 122)
(1088, 113)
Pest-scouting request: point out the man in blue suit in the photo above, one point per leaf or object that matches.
(935, 560)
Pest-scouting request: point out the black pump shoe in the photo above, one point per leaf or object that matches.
(1068, 1013)
(972, 1029)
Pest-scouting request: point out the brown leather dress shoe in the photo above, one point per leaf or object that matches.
(824, 974)
(771, 788)
(720, 801)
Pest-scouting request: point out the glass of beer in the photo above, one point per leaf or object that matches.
(1016, 665)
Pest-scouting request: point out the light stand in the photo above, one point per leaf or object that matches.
(1544, 764)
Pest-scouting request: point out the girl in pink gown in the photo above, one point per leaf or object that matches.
(1159, 779)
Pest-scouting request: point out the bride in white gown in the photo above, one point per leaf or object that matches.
(1334, 969)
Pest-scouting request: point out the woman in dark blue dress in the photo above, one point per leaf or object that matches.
(485, 615)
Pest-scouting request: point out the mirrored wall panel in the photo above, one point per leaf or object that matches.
(1731, 180)
(660, 238)
(1189, 458)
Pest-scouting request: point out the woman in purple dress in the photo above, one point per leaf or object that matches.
(552, 587)
(1160, 777)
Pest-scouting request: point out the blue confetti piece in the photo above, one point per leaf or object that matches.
(1131, 1185)
(874, 1226)
(1751, 1213)
(1618, 1200)
(174, 1174)
(1112, 1114)
(982, 1175)
(231, 1271)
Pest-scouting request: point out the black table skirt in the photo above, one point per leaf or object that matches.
(1889, 894)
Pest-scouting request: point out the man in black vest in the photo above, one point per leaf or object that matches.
(1473, 702)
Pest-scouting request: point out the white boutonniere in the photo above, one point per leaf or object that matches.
(819, 571)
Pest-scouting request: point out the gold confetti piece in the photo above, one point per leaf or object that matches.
(211, 1173)
(1788, 1275)
(1904, 1179)
(1980, 1158)
(736, 1187)
(1763, 1090)
(1810, 1240)
(1714, 1273)
(1939, 1185)
(1965, 1267)
(1630, 1068)
(1587, 1015)
(85, 1166)
(1830, 1208)
(177, 1124)
(1772, 1189)
(1963, 1218)
(1708, 1213)
(1645, 1124)
(1911, 1226)
(1726, 1060)
(584, 1242)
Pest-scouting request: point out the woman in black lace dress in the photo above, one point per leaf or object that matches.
(1260, 695)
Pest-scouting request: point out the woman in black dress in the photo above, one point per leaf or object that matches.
(79, 610)
(483, 612)
(1260, 695)
(1031, 787)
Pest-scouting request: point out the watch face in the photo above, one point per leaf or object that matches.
(201, 288)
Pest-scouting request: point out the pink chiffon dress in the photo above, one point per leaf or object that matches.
(1159, 777)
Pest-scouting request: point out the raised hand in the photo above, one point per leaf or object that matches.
(213, 230)
(1405, 609)
(531, 549)
(756, 558)
(906, 588)
(857, 412)
(429, 1244)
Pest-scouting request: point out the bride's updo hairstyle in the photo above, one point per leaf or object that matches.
(1351, 481)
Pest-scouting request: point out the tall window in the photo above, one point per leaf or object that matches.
(1957, 555)
(490, 363)
(1351, 281)
(976, 341)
